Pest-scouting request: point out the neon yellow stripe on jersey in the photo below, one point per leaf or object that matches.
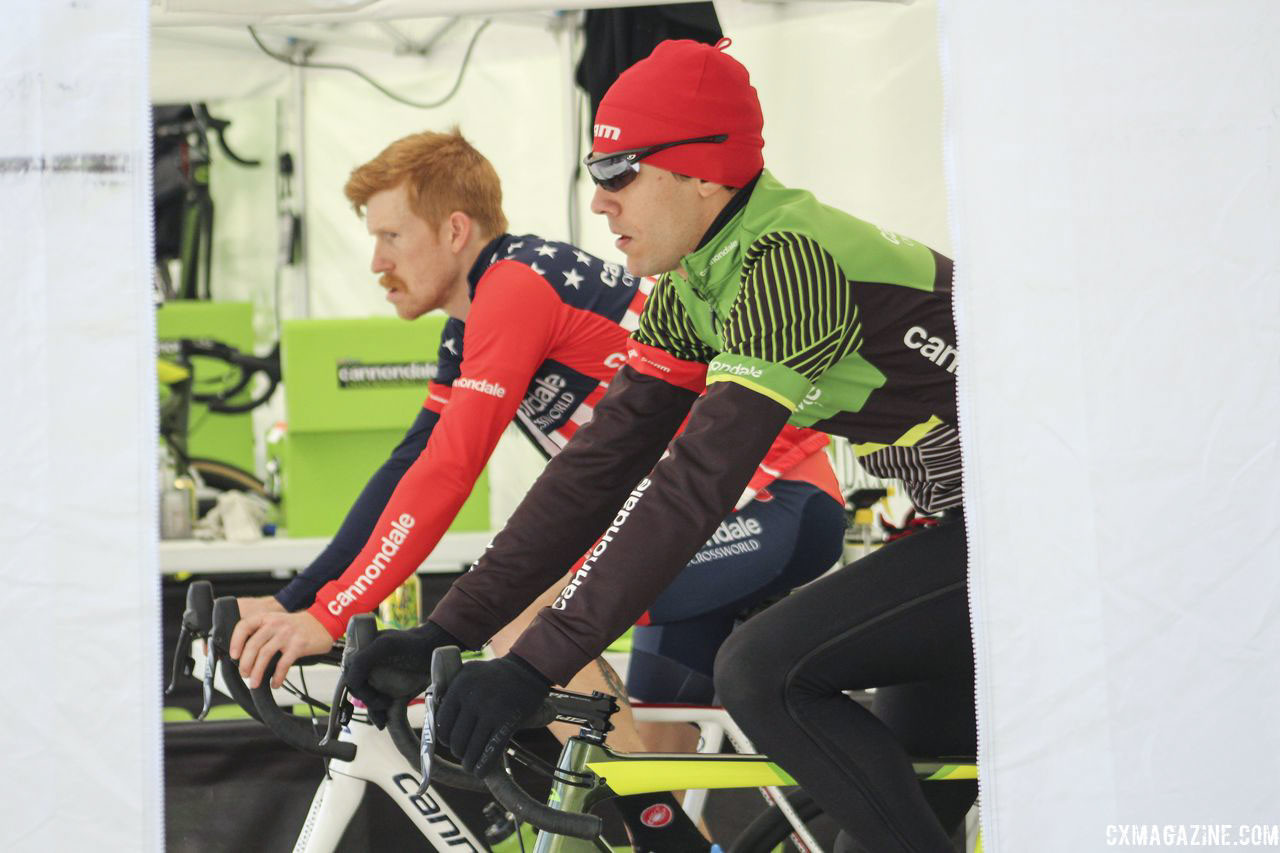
(640, 776)
(908, 439)
(775, 381)
(759, 389)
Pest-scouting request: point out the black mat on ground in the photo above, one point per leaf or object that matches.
(232, 786)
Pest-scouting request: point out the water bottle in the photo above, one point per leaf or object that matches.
(177, 508)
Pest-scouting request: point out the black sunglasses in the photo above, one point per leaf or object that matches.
(615, 170)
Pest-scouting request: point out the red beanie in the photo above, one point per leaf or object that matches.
(686, 89)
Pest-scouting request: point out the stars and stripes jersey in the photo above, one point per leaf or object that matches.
(578, 338)
(546, 331)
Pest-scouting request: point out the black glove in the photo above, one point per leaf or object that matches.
(397, 664)
(484, 706)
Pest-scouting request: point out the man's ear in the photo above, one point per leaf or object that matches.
(458, 230)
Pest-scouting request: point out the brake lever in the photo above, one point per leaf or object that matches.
(210, 671)
(197, 618)
(446, 663)
(427, 747)
(360, 632)
(183, 663)
(340, 711)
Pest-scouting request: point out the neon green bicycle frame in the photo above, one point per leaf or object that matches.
(605, 773)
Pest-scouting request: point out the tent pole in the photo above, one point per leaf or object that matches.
(298, 95)
(565, 27)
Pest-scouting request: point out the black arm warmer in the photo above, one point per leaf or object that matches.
(660, 526)
(568, 506)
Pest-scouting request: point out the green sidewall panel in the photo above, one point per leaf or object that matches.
(345, 415)
(323, 473)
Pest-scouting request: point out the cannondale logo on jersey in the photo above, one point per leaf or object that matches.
(718, 366)
(387, 549)
(931, 347)
(484, 386)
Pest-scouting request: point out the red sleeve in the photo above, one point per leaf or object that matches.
(509, 331)
(437, 397)
(797, 454)
(660, 364)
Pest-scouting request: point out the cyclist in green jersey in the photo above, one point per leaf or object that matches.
(785, 311)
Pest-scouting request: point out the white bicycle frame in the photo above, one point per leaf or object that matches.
(378, 761)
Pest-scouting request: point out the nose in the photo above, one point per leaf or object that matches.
(603, 201)
(380, 264)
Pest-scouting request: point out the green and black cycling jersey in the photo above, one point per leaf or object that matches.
(845, 324)
(788, 312)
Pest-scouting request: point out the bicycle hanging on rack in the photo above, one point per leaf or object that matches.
(176, 374)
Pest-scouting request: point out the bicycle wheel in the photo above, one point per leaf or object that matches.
(224, 477)
(771, 828)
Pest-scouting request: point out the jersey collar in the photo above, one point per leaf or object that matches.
(491, 251)
(719, 241)
(736, 202)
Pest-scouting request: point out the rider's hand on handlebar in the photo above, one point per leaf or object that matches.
(259, 604)
(397, 664)
(257, 639)
(483, 707)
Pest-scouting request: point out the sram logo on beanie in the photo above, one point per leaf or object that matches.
(686, 89)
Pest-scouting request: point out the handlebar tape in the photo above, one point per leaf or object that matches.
(248, 365)
(443, 771)
(525, 808)
(295, 731)
(259, 702)
(225, 615)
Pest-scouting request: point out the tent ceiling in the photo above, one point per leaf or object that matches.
(189, 61)
(166, 13)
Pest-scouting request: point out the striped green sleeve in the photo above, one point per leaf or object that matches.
(793, 318)
(665, 324)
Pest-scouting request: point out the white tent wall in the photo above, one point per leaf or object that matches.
(78, 564)
(1117, 205)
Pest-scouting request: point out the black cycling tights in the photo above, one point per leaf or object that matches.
(897, 620)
